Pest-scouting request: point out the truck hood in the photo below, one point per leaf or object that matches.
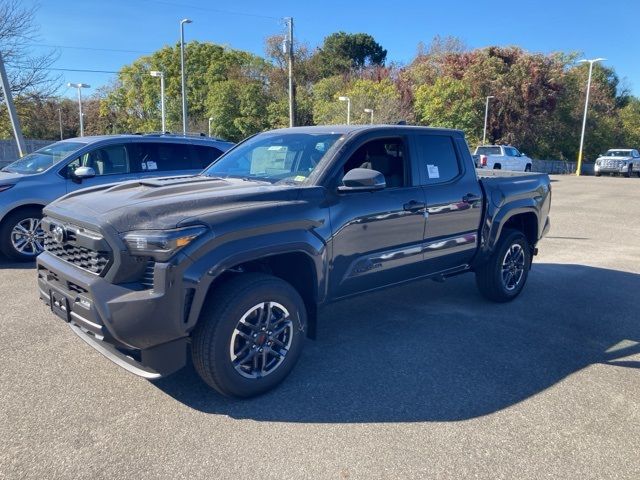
(622, 159)
(165, 202)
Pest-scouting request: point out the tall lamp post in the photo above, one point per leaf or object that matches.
(210, 120)
(486, 116)
(348, 100)
(369, 110)
(160, 75)
(586, 106)
(184, 96)
(79, 86)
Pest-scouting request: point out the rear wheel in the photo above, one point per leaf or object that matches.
(504, 275)
(250, 335)
(497, 166)
(21, 235)
(527, 168)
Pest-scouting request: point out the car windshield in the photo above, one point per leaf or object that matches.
(619, 153)
(488, 151)
(42, 159)
(275, 157)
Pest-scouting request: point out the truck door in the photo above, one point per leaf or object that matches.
(377, 236)
(454, 201)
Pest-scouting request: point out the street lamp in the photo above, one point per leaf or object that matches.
(184, 97)
(369, 110)
(79, 86)
(486, 116)
(586, 105)
(158, 74)
(348, 100)
(210, 120)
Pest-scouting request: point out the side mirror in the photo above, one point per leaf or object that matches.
(81, 173)
(362, 180)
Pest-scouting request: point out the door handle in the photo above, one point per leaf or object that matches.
(414, 206)
(471, 198)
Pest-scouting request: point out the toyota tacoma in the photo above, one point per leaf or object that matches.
(231, 266)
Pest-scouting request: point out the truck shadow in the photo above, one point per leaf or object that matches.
(439, 352)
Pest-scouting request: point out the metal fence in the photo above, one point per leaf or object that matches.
(560, 167)
(9, 149)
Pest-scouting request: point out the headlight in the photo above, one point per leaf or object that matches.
(161, 244)
(5, 187)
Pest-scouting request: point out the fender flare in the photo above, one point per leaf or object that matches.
(210, 266)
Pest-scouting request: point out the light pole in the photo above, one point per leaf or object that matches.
(60, 121)
(348, 100)
(486, 116)
(79, 86)
(156, 73)
(586, 105)
(369, 110)
(288, 50)
(210, 120)
(184, 93)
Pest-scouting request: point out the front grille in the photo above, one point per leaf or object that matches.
(72, 251)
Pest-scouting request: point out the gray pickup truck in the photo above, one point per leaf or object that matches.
(233, 264)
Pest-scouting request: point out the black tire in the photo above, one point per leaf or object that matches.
(221, 314)
(489, 276)
(629, 172)
(6, 229)
(598, 174)
(527, 168)
(497, 166)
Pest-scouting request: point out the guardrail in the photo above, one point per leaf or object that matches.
(560, 167)
(9, 150)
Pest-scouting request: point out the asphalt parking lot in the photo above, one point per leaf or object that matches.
(423, 381)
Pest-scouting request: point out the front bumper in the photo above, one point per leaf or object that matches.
(610, 169)
(142, 330)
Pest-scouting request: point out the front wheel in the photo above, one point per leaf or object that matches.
(250, 335)
(503, 276)
(21, 235)
(629, 171)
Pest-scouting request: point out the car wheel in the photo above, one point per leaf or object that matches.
(597, 174)
(527, 168)
(503, 276)
(629, 172)
(21, 235)
(250, 335)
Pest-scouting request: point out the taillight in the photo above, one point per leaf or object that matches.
(483, 160)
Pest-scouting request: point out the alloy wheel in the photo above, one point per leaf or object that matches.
(513, 266)
(261, 340)
(27, 237)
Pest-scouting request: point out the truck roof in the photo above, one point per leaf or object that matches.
(361, 128)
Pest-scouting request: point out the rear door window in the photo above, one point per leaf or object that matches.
(437, 158)
(203, 156)
(150, 157)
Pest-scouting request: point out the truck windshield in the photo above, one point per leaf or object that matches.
(488, 151)
(619, 153)
(283, 157)
(42, 159)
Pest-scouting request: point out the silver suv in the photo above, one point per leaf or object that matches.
(28, 184)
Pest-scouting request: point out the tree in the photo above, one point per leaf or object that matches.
(27, 73)
(342, 52)
(382, 97)
(630, 117)
(449, 103)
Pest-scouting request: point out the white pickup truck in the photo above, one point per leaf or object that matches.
(501, 157)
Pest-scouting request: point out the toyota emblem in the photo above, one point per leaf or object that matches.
(58, 233)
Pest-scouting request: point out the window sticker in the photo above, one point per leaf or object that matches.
(144, 165)
(151, 165)
(432, 171)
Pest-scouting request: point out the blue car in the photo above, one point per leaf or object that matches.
(28, 184)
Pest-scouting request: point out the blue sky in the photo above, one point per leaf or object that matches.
(598, 29)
